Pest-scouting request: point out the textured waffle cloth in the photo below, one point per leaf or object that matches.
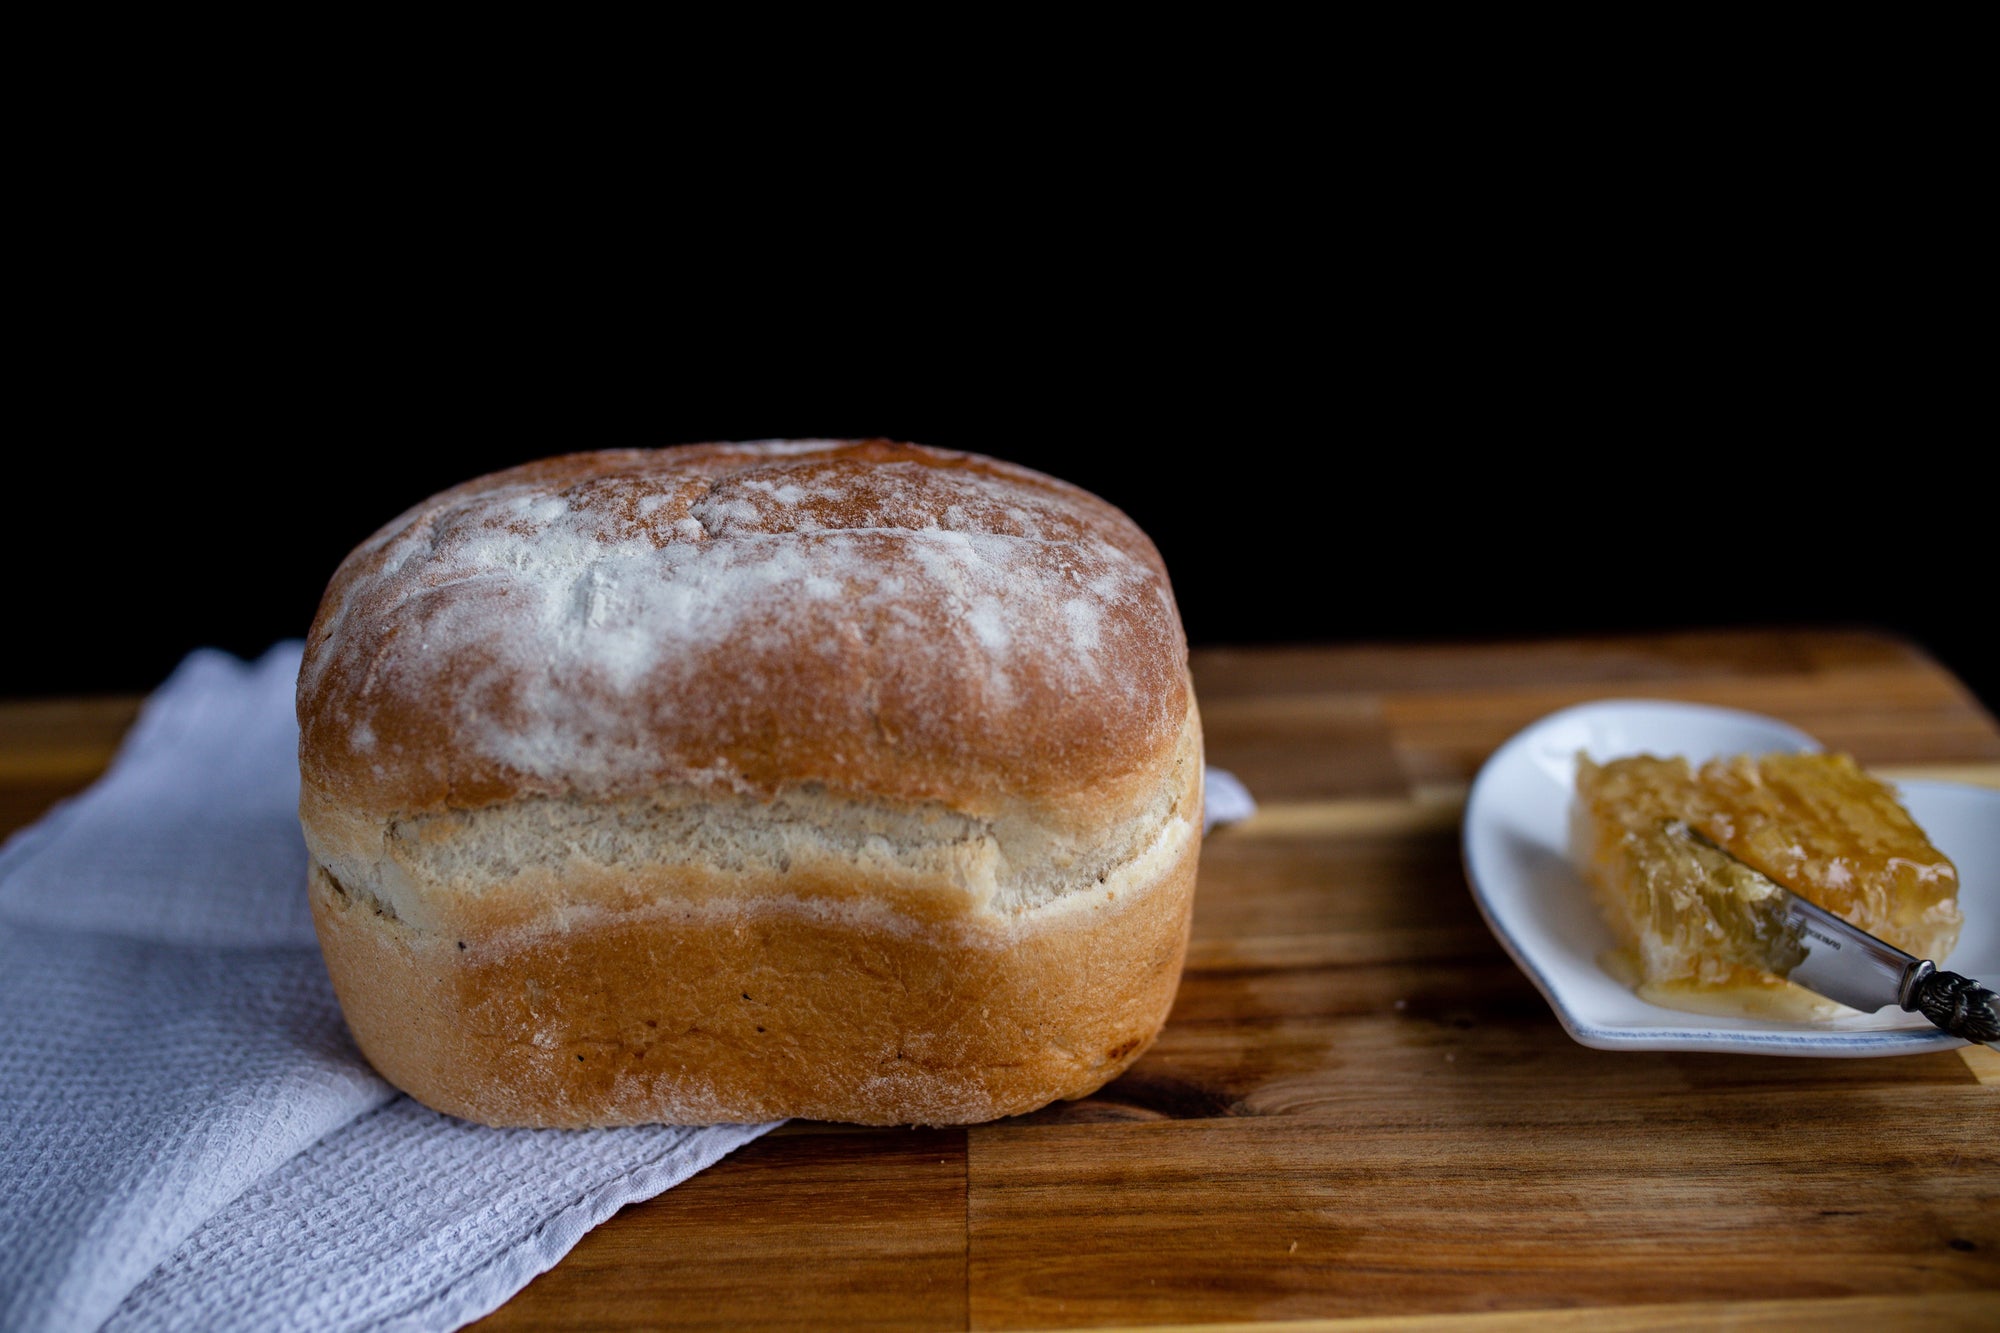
(188, 1138)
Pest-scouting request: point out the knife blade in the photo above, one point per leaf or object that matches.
(1831, 956)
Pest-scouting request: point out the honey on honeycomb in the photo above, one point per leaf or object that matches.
(1699, 930)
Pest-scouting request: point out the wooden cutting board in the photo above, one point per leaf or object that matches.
(1359, 1109)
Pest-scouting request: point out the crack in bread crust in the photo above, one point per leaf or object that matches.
(525, 858)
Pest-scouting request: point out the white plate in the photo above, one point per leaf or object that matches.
(1516, 857)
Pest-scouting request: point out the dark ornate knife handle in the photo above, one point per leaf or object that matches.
(1959, 1005)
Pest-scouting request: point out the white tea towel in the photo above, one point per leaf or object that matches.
(1224, 799)
(188, 1138)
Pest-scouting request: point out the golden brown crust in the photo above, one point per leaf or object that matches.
(887, 619)
(859, 781)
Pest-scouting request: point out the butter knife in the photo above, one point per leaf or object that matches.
(1831, 956)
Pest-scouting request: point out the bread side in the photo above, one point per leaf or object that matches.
(658, 988)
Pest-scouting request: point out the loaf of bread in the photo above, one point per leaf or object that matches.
(851, 780)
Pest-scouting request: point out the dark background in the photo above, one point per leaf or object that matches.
(1310, 487)
(1483, 383)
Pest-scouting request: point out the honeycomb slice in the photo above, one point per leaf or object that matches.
(1698, 930)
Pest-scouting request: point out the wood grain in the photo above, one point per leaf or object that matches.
(52, 748)
(61, 739)
(1326, 1135)
(1360, 1115)
(1958, 1312)
(797, 1230)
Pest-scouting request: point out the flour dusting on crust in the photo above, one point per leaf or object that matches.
(740, 614)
